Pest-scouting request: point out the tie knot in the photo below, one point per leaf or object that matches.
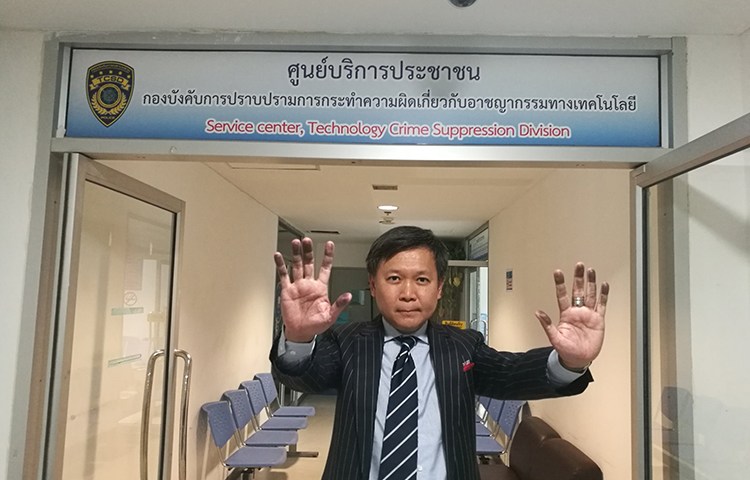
(407, 341)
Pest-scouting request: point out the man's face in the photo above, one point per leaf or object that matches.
(406, 288)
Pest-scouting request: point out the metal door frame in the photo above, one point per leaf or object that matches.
(724, 141)
(53, 146)
(77, 170)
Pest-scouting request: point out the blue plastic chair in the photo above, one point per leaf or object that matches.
(244, 459)
(242, 413)
(273, 407)
(481, 429)
(257, 404)
(489, 445)
(506, 420)
(494, 410)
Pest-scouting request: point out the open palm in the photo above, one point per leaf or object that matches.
(579, 334)
(305, 306)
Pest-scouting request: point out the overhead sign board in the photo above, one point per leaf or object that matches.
(365, 98)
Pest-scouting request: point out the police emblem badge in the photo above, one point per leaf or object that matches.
(109, 86)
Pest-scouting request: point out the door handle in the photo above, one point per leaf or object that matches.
(185, 356)
(146, 411)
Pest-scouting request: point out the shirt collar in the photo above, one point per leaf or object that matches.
(391, 332)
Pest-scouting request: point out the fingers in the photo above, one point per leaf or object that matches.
(590, 297)
(281, 269)
(308, 258)
(563, 301)
(584, 286)
(601, 307)
(578, 281)
(325, 267)
(296, 259)
(303, 262)
(303, 259)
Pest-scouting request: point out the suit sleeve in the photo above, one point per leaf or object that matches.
(519, 376)
(318, 372)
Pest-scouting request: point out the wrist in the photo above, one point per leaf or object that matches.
(574, 368)
(297, 337)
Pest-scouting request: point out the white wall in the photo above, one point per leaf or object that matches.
(570, 216)
(346, 254)
(716, 249)
(718, 81)
(351, 254)
(226, 287)
(20, 83)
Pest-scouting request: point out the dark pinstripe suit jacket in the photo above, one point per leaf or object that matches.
(348, 358)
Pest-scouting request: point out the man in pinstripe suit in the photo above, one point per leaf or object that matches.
(407, 266)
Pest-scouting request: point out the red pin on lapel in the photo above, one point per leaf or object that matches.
(468, 365)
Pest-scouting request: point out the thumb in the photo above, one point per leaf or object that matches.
(547, 325)
(340, 304)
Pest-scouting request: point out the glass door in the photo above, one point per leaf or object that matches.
(693, 312)
(112, 381)
(478, 303)
(464, 303)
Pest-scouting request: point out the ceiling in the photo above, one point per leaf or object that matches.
(488, 17)
(452, 201)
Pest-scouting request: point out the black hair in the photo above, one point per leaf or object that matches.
(400, 239)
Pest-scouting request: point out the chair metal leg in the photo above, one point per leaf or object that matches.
(293, 452)
(247, 474)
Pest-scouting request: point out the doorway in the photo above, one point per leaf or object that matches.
(111, 384)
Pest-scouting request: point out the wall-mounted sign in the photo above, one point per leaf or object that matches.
(365, 98)
(479, 245)
(455, 323)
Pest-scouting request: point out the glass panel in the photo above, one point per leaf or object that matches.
(699, 258)
(478, 300)
(121, 317)
(464, 303)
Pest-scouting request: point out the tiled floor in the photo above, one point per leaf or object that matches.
(316, 437)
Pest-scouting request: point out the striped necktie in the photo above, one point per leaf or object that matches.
(398, 460)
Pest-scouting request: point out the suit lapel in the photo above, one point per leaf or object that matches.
(448, 375)
(443, 355)
(369, 358)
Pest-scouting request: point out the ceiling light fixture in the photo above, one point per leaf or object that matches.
(463, 3)
(387, 219)
(388, 208)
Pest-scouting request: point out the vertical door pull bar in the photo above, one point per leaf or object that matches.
(184, 410)
(146, 411)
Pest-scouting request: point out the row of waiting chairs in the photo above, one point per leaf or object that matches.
(496, 424)
(264, 432)
(267, 442)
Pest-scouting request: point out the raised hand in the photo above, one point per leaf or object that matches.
(579, 335)
(305, 307)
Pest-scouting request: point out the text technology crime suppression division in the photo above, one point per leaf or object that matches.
(396, 129)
